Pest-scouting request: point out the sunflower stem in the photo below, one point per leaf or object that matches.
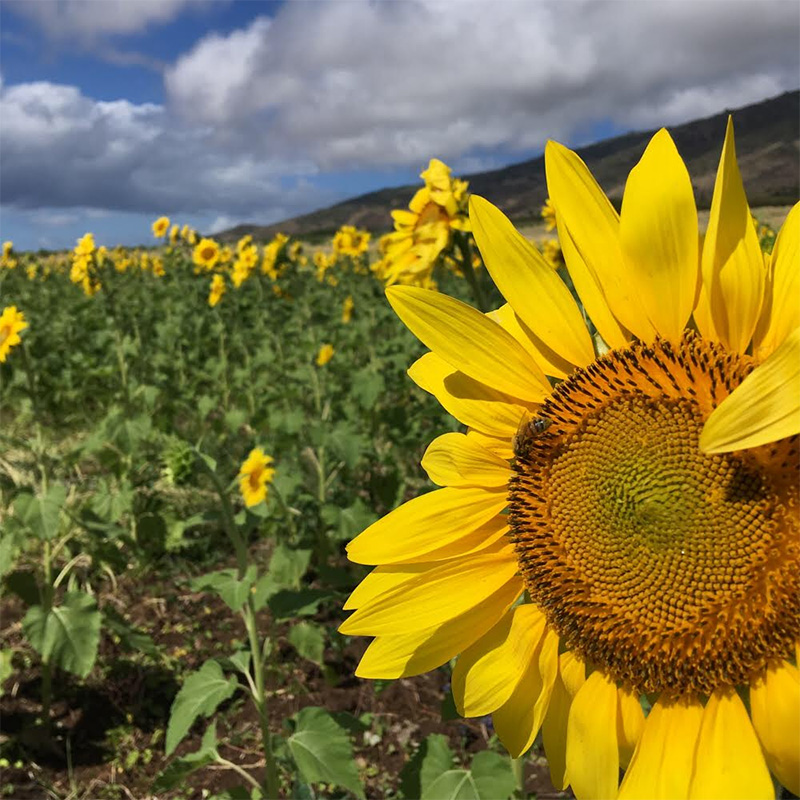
(518, 768)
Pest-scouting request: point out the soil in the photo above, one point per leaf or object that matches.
(107, 737)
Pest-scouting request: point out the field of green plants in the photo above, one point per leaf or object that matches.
(191, 434)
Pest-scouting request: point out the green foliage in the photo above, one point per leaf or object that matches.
(201, 693)
(322, 751)
(309, 641)
(431, 775)
(66, 635)
(40, 515)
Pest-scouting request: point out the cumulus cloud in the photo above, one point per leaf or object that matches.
(252, 117)
(92, 18)
(62, 149)
(364, 83)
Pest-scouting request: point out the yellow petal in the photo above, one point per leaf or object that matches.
(728, 764)
(469, 342)
(592, 753)
(765, 407)
(733, 267)
(490, 536)
(421, 651)
(554, 733)
(469, 401)
(434, 597)
(658, 235)
(784, 291)
(381, 580)
(661, 767)
(501, 447)
(454, 460)
(630, 724)
(591, 293)
(593, 226)
(518, 720)
(775, 710)
(532, 287)
(551, 363)
(488, 672)
(424, 524)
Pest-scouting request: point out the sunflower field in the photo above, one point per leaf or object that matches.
(212, 453)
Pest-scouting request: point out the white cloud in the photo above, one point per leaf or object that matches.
(91, 18)
(62, 149)
(361, 83)
(254, 117)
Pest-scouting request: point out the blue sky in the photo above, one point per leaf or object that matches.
(216, 112)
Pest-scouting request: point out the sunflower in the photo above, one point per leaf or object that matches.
(347, 309)
(423, 232)
(324, 355)
(217, 289)
(254, 476)
(618, 529)
(160, 227)
(548, 214)
(350, 241)
(11, 323)
(206, 255)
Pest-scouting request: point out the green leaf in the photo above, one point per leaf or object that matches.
(6, 667)
(227, 585)
(265, 589)
(40, 515)
(175, 774)
(492, 775)
(68, 635)
(489, 778)
(322, 751)
(432, 759)
(9, 547)
(300, 603)
(309, 641)
(287, 566)
(201, 693)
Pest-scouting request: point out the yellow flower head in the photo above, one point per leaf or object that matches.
(620, 522)
(254, 476)
(85, 246)
(7, 248)
(11, 323)
(206, 254)
(549, 215)
(160, 227)
(325, 355)
(188, 235)
(350, 241)
(217, 290)
(225, 255)
(244, 243)
(157, 266)
(272, 254)
(347, 309)
(174, 233)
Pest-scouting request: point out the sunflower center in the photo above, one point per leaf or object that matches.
(670, 569)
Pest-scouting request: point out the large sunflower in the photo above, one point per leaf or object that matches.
(595, 553)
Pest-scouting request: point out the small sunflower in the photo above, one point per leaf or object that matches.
(350, 241)
(548, 213)
(217, 290)
(254, 477)
(324, 355)
(206, 254)
(618, 528)
(11, 323)
(423, 232)
(160, 227)
(347, 309)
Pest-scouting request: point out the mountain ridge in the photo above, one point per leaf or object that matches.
(767, 145)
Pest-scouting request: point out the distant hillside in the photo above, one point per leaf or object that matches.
(767, 144)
